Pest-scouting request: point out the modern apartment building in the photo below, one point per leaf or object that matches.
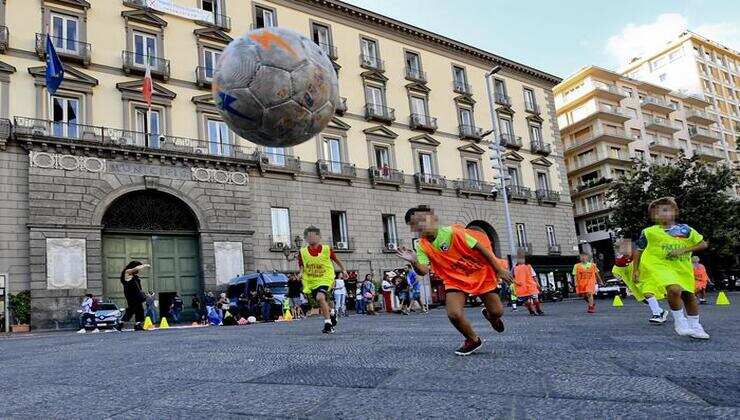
(607, 121)
(91, 178)
(694, 65)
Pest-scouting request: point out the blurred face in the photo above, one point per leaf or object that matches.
(664, 214)
(313, 238)
(585, 258)
(625, 247)
(424, 223)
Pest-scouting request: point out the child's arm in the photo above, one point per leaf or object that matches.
(701, 246)
(500, 271)
(338, 262)
(636, 266)
(409, 256)
(136, 269)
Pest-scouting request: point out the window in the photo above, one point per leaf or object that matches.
(618, 173)
(590, 177)
(219, 142)
(148, 121)
(585, 158)
(275, 155)
(596, 224)
(472, 170)
(542, 181)
(506, 127)
(513, 178)
(592, 203)
(675, 55)
(145, 48)
(551, 240)
(64, 114)
(64, 33)
(632, 112)
(679, 123)
(636, 133)
(263, 17)
(425, 164)
(627, 91)
(375, 99)
(321, 37)
(675, 105)
(339, 229)
(459, 76)
(413, 65)
(210, 58)
(616, 152)
(369, 52)
(465, 116)
(390, 234)
(332, 153)
(521, 235)
(529, 100)
(499, 87)
(535, 133)
(280, 225)
(382, 157)
(662, 77)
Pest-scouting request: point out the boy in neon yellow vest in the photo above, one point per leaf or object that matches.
(316, 262)
(663, 262)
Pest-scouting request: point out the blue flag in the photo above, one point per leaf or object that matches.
(54, 69)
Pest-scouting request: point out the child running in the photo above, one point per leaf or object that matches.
(664, 259)
(643, 292)
(317, 272)
(701, 279)
(587, 275)
(527, 287)
(465, 265)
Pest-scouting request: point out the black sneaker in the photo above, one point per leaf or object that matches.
(497, 324)
(328, 329)
(659, 319)
(138, 327)
(469, 347)
(702, 301)
(532, 313)
(539, 312)
(333, 317)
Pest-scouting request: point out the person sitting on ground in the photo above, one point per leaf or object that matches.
(87, 313)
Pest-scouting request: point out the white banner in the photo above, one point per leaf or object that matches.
(167, 6)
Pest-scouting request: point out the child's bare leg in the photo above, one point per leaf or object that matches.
(673, 294)
(493, 304)
(455, 303)
(690, 303)
(324, 305)
(590, 299)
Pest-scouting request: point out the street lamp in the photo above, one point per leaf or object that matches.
(498, 163)
(291, 252)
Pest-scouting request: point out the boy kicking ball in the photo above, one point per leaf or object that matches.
(316, 262)
(466, 266)
(643, 291)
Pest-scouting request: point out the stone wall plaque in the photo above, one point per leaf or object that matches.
(66, 263)
(229, 261)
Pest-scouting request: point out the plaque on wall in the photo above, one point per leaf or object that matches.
(229, 261)
(66, 263)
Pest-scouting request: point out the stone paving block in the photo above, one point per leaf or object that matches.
(325, 375)
(457, 381)
(618, 388)
(719, 391)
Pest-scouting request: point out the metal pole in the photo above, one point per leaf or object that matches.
(497, 149)
(6, 297)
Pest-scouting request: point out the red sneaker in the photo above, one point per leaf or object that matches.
(469, 347)
(591, 309)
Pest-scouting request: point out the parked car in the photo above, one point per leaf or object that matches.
(275, 283)
(551, 295)
(612, 287)
(108, 315)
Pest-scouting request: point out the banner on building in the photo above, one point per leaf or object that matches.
(167, 6)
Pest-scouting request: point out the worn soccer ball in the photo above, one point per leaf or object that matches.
(275, 87)
(251, 320)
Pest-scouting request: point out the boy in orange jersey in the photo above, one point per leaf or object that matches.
(527, 287)
(587, 275)
(466, 266)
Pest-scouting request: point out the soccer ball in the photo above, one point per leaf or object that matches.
(275, 87)
(251, 320)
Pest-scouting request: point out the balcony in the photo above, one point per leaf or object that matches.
(470, 132)
(531, 108)
(502, 99)
(661, 125)
(371, 63)
(541, 148)
(136, 63)
(517, 192)
(553, 249)
(219, 21)
(699, 117)
(664, 145)
(653, 104)
(468, 187)
(430, 181)
(70, 49)
(386, 176)
(590, 186)
(329, 50)
(328, 169)
(341, 107)
(703, 135)
(423, 123)
(600, 133)
(461, 87)
(547, 196)
(4, 38)
(380, 113)
(597, 208)
(343, 245)
(511, 141)
(135, 3)
(416, 75)
(204, 76)
(603, 112)
(708, 154)
(277, 163)
(33, 129)
(590, 161)
(607, 91)
(525, 248)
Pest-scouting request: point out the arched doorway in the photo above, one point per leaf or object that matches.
(156, 228)
(490, 232)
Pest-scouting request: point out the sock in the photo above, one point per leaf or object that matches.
(513, 305)
(327, 321)
(678, 315)
(693, 320)
(537, 304)
(654, 305)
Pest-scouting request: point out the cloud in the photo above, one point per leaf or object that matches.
(638, 40)
(727, 34)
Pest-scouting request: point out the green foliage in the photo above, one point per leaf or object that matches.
(703, 193)
(20, 305)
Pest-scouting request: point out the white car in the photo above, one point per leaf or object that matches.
(611, 287)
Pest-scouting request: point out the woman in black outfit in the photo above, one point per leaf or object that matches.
(134, 295)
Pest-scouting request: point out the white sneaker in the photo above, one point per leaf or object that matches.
(81, 331)
(682, 328)
(96, 330)
(699, 333)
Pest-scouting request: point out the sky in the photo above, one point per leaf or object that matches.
(562, 36)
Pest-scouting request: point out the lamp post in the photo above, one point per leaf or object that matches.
(498, 163)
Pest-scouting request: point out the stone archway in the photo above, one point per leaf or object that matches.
(490, 232)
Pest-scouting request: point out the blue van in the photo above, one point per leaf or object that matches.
(276, 283)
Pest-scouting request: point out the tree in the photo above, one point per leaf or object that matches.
(704, 196)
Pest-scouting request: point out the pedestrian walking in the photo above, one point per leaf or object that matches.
(151, 311)
(133, 293)
(587, 275)
(340, 296)
(87, 314)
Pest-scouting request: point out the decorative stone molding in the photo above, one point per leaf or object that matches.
(218, 176)
(66, 263)
(229, 260)
(46, 160)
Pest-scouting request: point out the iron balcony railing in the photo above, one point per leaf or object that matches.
(610, 88)
(502, 99)
(416, 75)
(380, 113)
(422, 122)
(430, 181)
(541, 148)
(6, 128)
(220, 21)
(708, 152)
(659, 142)
(4, 37)
(470, 132)
(695, 114)
(329, 50)
(72, 132)
(372, 62)
(525, 248)
(133, 61)
(341, 106)
(651, 100)
(591, 184)
(517, 192)
(386, 175)
(532, 108)
(510, 140)
(65, 48)
(343, 244)
(336, 169)
(662, 122)
(277, 161)
(700, 133)
(204, 75)
(475, 186)
(553, 249)
(548, 196)
(596, 133)
(461, 87)
(135, 3)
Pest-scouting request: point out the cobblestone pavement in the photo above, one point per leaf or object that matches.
(612, 364)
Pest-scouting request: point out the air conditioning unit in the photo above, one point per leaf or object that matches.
(162, 139)
(391, 246)
(323, 167)
(200, 150)
(342, 245)
(279, 245)
(265, 160)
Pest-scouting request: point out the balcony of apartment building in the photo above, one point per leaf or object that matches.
(602, 112)
(68, 49)
(664, 145)
(433, 182)
(698, 117)
(468, 187)
(539, 147)
(423, 123)
(599, 133)
(502, 99)
(385, 175)
(219, 21)
(470, 132)
(380, 113)
(593, 160)
(372, 62)
(547, 196)
(704, 135)
(204, 76)
(461, 87)
(591, 187)
(608, 91)
(661, 125)
(414, 74)
(532, 108)
(4, 38)
(331, 169)
(590, 209)
(708, 154)
(524, 248)
(125, 141)
(653, 104)
(341, 107)
(518, 192)
(330, 50)
(136, 63)
(277, 162)
(511, 141)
